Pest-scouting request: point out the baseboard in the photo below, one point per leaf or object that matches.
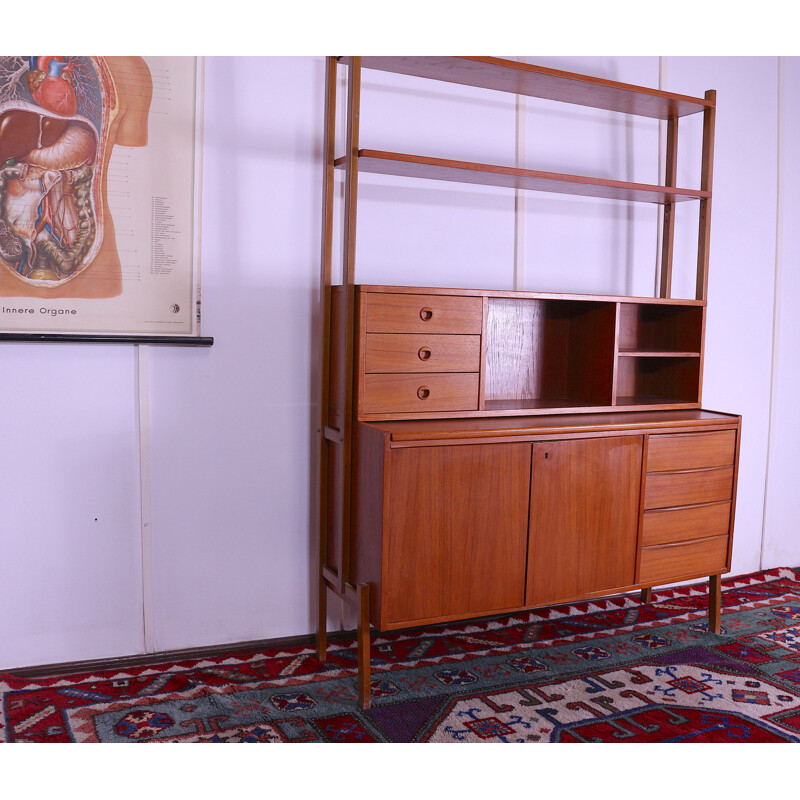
(165, 656)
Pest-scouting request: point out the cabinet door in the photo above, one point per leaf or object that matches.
(584, 517)
(455, 528)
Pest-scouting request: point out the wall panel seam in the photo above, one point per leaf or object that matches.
(776, 300)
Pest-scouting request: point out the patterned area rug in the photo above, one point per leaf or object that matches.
(611, 670)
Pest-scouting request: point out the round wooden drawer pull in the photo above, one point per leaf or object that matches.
(424, 353)
(423, 392)
(425, 314)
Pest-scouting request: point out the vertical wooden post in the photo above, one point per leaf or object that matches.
(347, 299)
(329, 143)
(715, 604)
(364, 672)
(668, 233)
(647, 594)
(704, 234)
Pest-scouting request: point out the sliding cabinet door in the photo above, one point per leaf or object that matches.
(584, 517)
(455, 528)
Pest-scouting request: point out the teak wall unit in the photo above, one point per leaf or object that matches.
(483, 452)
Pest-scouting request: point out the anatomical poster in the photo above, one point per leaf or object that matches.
(99, 195)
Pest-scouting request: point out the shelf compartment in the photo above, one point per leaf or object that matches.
(548, 354)
(647, 329)
(657, 380)
(504, 75)
(414, 166)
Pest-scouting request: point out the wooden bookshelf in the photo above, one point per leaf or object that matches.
(485, 451)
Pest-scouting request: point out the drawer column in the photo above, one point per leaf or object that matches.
(688, 501)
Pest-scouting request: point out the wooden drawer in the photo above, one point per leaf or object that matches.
(669, 562)
(691, 451)
(420, 352)
(418, 313)
(668, 489)
(684, 524)
(415, 392)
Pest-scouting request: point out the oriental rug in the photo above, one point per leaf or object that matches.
(611, 670)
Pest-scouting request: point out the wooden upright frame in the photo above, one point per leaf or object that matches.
(338, 310)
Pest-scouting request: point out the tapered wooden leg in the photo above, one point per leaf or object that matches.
(647, 594)
(322, 620)
(364, 672)
(714, 603)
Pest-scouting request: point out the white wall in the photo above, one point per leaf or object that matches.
(781, 541)
(229, 427)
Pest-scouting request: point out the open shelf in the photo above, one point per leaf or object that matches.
(536, 404)
(549, 84)
(537, 352)
(653, 352)
(652, 400)
(442, 169)
(647, 329)
(651, 380)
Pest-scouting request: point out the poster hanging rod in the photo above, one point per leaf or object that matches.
(78, 338)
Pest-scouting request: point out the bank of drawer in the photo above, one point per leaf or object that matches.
(690, 451)
(683, 524)
(420, 352)
(668, 489)
(669, 562)
(417, 313)
(420, 392)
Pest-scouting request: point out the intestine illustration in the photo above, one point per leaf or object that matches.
(57, 124)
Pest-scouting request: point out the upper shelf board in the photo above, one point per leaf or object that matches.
(549, 84)
(412, 166)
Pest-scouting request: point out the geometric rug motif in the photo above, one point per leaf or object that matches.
(612, 670)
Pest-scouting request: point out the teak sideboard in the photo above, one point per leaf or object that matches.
(484, 452)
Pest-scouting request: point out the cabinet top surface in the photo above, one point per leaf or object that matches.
(428, 290)
(533, 81)
(420, 430)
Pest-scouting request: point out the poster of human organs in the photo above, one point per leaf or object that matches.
(99, 195)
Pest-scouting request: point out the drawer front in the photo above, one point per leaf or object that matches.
(677, 561)
(417, 313)
(420, 392)
(419, 352)
(691, 451)
(668, 489)
(684, 524)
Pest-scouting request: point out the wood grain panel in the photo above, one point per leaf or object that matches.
(456, 523)
(676, 561)
(415, 392)
(422, 352)
(683, 524)
(584, 517)
(366, 542)
(691, 451)
(515, 365)
(408, 313)
(669, 489)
